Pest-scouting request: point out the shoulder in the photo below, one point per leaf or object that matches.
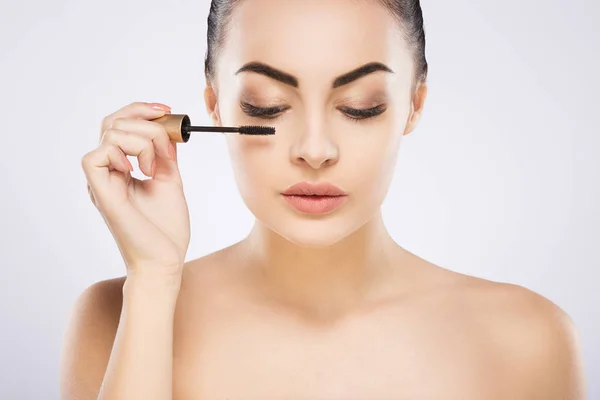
(532, 338)
(520, 313)
(106, 295)
(96, 313)
(98, 307)
(93, 324)
(89, 337)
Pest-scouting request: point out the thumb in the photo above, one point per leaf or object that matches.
(167, 169)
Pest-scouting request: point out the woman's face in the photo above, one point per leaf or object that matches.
(322, 136)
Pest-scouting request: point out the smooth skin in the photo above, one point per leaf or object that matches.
(305, 307)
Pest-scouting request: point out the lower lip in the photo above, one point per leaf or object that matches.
(315, 204)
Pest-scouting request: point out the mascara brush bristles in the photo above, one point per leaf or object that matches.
(256, 130)
(242, 130)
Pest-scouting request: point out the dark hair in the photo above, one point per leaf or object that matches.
(407, 12)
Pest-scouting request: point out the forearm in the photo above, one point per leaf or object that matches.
(140, 365)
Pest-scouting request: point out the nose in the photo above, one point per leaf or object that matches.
(315, 148)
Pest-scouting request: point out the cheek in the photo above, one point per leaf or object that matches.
(371, 162)
(252, 163)
(375, 162)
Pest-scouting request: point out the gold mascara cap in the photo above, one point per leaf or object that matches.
(176, 124)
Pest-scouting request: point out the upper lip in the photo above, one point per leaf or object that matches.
(314, 189)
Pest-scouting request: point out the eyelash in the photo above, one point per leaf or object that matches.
(353, 114)
(261, 112)
(356, 115)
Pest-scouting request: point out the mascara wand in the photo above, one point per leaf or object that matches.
(179, 127)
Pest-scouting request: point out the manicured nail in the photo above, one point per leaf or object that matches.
(160, 106)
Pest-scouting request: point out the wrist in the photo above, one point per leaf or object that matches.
(152, 285)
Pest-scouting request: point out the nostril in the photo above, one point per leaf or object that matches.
(311, 150)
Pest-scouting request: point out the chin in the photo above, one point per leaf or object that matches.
(313, 234)
(307, 230)
(310, 230)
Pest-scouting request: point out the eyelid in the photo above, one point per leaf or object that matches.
(355, 114)
(363, 108)
(378, 108)
(269, 109)
(262, 112)
(264, 100)
(366, 114)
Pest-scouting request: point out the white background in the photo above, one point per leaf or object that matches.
(500, 180)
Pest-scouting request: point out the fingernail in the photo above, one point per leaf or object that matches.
(162, 107)
(172, 150)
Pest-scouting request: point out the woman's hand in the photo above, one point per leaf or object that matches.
(149, 219)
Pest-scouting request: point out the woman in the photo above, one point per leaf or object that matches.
(318, 302)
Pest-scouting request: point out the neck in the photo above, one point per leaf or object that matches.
(322, 281)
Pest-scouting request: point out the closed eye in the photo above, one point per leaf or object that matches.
(353, 114)
(262, 112)
(356, 114)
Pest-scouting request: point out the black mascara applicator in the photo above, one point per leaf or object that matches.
(179, 127)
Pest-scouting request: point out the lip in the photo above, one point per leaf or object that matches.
(314, 189)
(314, 198)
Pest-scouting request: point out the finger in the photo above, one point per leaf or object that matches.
(166, 165)
(96, 165)
(148, 129)
(135, 110)
(109, 157)
(133, 145)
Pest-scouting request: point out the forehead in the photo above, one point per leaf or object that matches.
(319, 38)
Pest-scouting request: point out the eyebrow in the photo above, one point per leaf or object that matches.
(291, 80)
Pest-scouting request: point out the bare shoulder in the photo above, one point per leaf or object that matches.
(515, 311)
(94, 321)
(97, 310)
(98, 307)
(89, 338)
(530, 336)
